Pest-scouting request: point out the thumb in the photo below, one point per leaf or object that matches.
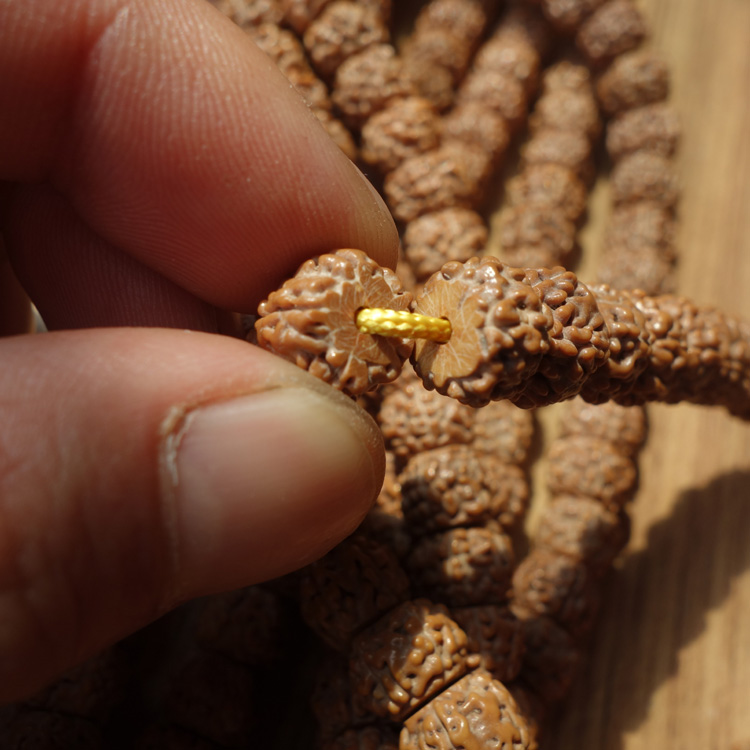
(141, 467)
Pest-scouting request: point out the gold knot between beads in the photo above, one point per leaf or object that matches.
(402, 324)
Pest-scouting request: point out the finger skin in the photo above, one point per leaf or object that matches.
(98, 534)
(178, 142)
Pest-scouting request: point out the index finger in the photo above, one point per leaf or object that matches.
(178, 141)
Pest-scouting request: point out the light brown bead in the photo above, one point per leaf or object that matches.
(477, 712)
(499, 331)
(509, 52)
(615, 27)
(548, 584)
(568, 15)
(281, 46)
(367, 81)
(550, 660)
(249, 13)
(413, 419)
(567, 75)
(448, 177)
(535, 236)
(499, 91)
(591, 467)
(654, 128)
(404, 659)
(451, 234)
(340, 31)
(645, 176)
(439, 47)
(648, 268)
(464, 18)
(338, 133)
(459, 486)
(349, 588)
(642, 224)
(299, 14)
(310, 321)
(495, 639)
(405, 127)
(633, 80)
(567, 148)
(504, 431)
(567, 109)
(584, 530)
(431, 80)
(478, 125)
(521, 19)
(462, 567)
(550, 186)
(625, 427)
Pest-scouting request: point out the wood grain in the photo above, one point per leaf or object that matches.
(669, 663)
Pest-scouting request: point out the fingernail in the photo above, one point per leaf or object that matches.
(265, 483)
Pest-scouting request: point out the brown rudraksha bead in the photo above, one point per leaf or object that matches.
(246, 625)
(625, 427)
(368, 81)
(451, 234)
(340, 31)
(350, 587)
(478, 125)
(634, 79)
(549, 186)
(440, 47)
(568, 15)
(462, 567)
(475, 713)
(645, 176)
(299, 14)
(548, 584)
(509, 52)
(583, 529)
(591, 467)
(655, 128)
(500, 331)
(567, 148)
(645, 268)
(578, 338)
(414, 420)
(463, 18)
(498, 91)
(246, 13)
(452, 175)
(310, 321)
(550, 658)
(459, 486)
(567, 109)
(642, 224)
(615, 27)
(536, 236)
(372, 737)
(406, 658)
(495, 639)
(505, 431)
(407, 126)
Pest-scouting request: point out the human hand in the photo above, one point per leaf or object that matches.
(158, 171)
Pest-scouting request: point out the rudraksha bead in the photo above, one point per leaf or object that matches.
(498, 91)
(413, 419)
(340, 31)
(299, 14)
(615, 27)
(625, 427)
(568, 15)
(452, 175)
(451, 234)
(549, 186)
(548, 584)
(645, 176)
(310, 321)
(441, 48)
(405, 658)
(405, 127)
(509, 52)
(463, 18)
(462, 567)
(368, 81)
(654, 128)
(550, 659)
(591, 467)
(478, 125)
(495, 639)
(350, 587)
(642, 224)
(583, 529)
(476, 712)
(567, 109)
(503, 430)
(567, 148)
(459, 486)
(535, 236)
(634, 79)
(645, 268)
(500, 331)
(247, 14)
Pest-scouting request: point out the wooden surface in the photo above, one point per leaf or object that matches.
(669, 663)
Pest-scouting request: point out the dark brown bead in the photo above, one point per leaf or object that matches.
(462, 567)
(655, 128)
(504, 431)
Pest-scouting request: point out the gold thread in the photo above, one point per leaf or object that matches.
(402, 324)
